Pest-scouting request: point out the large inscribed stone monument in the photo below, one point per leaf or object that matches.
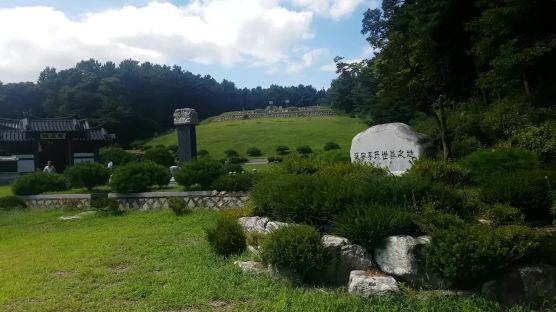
(185, 120)
(392, 146)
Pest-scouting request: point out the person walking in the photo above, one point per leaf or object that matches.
(49, 168)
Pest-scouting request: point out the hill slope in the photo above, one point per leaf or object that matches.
(266, 134)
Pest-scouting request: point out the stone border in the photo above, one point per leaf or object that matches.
(140, 201)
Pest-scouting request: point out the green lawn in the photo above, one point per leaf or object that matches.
(154, 261)
(5, 190)
(266, 134)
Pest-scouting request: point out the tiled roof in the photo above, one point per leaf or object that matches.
(96, 134)
(10, 135)
(54, 125)
(9, 123)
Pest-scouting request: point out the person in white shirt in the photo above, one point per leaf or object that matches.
(49, 168)
(110, 165)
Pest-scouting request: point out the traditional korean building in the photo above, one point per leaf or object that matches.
(64, 141)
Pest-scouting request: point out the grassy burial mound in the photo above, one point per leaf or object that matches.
(267, 134)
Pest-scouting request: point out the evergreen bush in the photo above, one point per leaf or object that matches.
(231, 153)
(226, 237)
(87, 175)
(304, 150)
(368, 225)
(471, 254)
(483, 163)
(178, 206)
(39, 182)
(202, 172)
(109, 206)
(298, 248)
(139, 177)
(254, 152)
(529, 191)
(440, 171)
(273, 159)
(11, 202)
(282, 150)
(500, 214)
(161, 156)
(117, 155)
(331, 146)
(233, 182)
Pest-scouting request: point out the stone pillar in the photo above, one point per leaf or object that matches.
(185, 120)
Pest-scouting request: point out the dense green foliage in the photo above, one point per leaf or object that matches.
(87, 175)
(487, 80)
(282, 150)
(331, 146)
(202, 172)
(254, 152)
(500, 214)
(472, 254)
(39, 182)
(161, 156)
(178, 206)
(298, 248)
(11, 202)
(369, 225)
(304, 150)
(440, 171)
(117, 155)
(136, 177)
(226, 237)
(529, 191)
(136, 100)
(233, 182)
(486, 162)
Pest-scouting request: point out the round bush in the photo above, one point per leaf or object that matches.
(275, 159)
(231, 153)
(202, 172)
(440, 171)
(117, 155)
(369, 225)
(282, 150)
(11, 202)
(39, 182)
(236, 160)
(87, 175)
(304, 150)
(233, 183)
(178, 206)
(254, 152)
(331, 146)
(529, 191)
(139, 177)
(226, 237)
(500, 214)
(472, 254)
(298, 248)
(161, 156)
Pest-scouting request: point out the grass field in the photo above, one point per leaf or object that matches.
(154, 261)
(5, 190)
(267, 133)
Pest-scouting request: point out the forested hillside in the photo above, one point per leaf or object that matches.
(469, 73)
(136, 100)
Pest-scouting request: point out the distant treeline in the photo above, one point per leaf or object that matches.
(136, 100)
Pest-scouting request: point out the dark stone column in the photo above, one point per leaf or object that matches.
(185, 120)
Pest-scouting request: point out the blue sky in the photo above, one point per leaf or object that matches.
(250, 42)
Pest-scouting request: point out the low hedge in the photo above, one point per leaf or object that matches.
(87, 175)
(11, 202)
(139, 177)
(202, 172)
(298, 248)
(233, 182)
(39, 182)
(441, 171)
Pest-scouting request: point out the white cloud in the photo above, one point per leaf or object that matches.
(335, 9)
(227, 32)
(308, 59)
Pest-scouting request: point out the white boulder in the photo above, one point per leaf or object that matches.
(254, 224)
(367, 284)
(251, 267)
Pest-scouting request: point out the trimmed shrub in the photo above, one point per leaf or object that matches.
(472, 254)
(11, 202)
(226, 237)
(440, 171)
(161, 156)
(304, 150)
(237, 160)
(282, 150)
(298, 248)
(202, 172)
(273, 159)
(233, 183)
(177, 205)
(298, 165)
(350, 170)
(39, 182)
(202, 153)
(87, 175)
(173, 148)
(231, 168)
(139, 177)
(331, 146)
(430, 221)
(527, 190)
(337, 156)
(231, 153)
(501, 214)
(369, 225)
(254, 152)
(109, 206)
(485, 162)
(117, 155)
